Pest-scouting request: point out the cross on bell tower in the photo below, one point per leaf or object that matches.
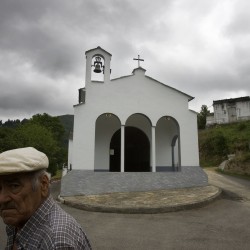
(138, 59)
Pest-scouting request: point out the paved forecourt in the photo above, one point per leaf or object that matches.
(144, 192)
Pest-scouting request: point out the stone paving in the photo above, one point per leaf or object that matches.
(137, 192)
(158, 201)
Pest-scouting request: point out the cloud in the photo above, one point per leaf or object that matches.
(198, 47)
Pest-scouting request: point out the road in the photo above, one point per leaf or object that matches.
(232, 186)
(223, 224)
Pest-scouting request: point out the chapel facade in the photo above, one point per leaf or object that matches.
(131, 124)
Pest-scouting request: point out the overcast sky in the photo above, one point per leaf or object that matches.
(200, 47)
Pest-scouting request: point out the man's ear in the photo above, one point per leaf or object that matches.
(44, 180)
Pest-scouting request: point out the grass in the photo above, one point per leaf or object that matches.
(58, 175)
(216, 142)
(236, 134)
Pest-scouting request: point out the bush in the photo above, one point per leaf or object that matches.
(242, 126)
(240, 145)
(216, 144)
(243, 157)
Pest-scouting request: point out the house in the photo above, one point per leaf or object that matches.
(132, 124)
(230, 110)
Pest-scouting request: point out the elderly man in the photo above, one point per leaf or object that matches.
(33, 219)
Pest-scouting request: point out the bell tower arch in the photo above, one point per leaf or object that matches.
(97, 62)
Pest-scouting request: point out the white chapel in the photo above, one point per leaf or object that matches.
(133, 123)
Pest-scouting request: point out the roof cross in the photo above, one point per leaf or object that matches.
(138, 59)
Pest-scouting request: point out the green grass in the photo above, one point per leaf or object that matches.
(57, 176)
(237, 135)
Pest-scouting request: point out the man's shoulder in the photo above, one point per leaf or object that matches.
(64, 229)
(62, 223)
(57, 216)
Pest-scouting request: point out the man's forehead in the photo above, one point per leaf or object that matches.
(13, 177)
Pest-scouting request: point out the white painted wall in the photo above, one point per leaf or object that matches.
(189, 140)
(243, 110)
(220, 113)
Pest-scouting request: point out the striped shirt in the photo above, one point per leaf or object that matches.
(49, 228)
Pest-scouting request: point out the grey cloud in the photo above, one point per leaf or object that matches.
(42, 47)
(239, 23)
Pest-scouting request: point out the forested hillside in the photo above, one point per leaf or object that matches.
(42, 131)
(216, 143)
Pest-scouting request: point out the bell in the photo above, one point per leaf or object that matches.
(97, 68)
(98, 65)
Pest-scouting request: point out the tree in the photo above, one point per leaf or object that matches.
(202, 117)
(6, 139)
(43, 132)
(11, 123)
(53, 124)
(39, 137)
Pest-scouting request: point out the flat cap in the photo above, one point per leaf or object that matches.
(22, 160)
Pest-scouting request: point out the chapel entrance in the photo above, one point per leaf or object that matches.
(137, 151)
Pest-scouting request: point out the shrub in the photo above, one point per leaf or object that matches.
(216, 144)
(242, 126)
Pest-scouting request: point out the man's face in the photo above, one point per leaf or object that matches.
(18, 200)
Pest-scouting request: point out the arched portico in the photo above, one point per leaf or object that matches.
(136, 146)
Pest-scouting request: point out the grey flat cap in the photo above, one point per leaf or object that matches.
(22, 160)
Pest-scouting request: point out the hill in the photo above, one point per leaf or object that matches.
(216, 143)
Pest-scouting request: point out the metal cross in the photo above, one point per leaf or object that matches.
(138, 59)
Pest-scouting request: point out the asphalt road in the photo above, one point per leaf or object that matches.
(232, 186)
(223, 224)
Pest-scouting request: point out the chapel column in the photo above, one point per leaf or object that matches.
(122, 147)
(153, 149)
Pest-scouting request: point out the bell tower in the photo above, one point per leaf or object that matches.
(97, 65)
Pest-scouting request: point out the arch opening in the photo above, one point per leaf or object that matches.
(137, 151)
(168, 156)
(106, 125)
